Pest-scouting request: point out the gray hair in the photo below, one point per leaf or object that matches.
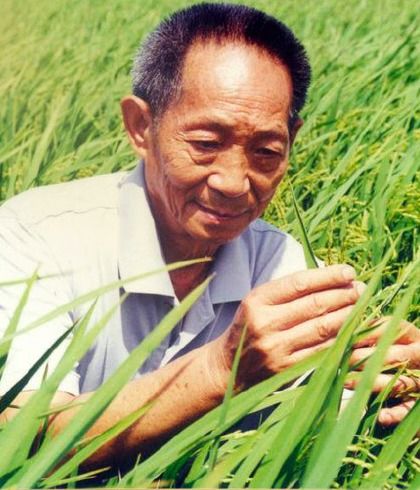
(157, 69)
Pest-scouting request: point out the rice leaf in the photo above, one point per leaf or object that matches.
(259, 445)
(71, 480)
(19, 386)
(329, 458)
(205, 481)
(197, 468)
(14, 321)
(18, 434)
(93, 445)
(91, 295)
(50, 454)
(312, 399)
(198, 433)
(310, 258)
(394, 450)
(333, 403)
(32, 170)
(415, 483)
(279, 397)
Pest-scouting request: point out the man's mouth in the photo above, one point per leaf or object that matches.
(222, 214)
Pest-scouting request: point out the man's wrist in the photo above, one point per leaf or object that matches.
(216, 369)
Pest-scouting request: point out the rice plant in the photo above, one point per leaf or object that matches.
(64, 66)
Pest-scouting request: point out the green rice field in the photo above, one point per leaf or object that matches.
(64, 66)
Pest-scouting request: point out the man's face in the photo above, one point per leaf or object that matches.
(220, 150)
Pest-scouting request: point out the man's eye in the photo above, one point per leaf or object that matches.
(267, 152)
(205, 145)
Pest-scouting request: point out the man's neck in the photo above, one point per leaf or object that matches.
(184, 280)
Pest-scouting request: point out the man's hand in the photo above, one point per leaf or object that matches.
(287, 320)
(405, 352)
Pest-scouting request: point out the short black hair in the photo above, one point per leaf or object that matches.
(157, 69)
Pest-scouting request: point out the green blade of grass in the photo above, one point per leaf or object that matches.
(19, 386)
(312, 399)
(329, 458)
(248, 456)
(42, 432)
(225, 466)
(197, 433)
(71, 480)
(25, 425)
(262, 444)
(50, 454)
(14, 321)
(310, 258)
(367, 427)
(197, 468)
(93, 445)
(252, 451)
(331, 413)
(57, 108)
(415, 483)
(264, 439)
(326, 209)
(203, 482)
(257, 444)
(394, 450)
(91, 295)
(279, 397)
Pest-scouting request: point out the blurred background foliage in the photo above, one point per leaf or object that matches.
(64, 66)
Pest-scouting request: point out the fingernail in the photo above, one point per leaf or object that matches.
(348, 272)
(360, 287)
(385, 418)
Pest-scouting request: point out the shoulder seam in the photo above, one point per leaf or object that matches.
(67, 211)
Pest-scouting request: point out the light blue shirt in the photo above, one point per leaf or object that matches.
(91, 232)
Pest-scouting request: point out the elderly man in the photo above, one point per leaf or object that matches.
(217, 94)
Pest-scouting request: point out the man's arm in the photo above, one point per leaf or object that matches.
(183, 390)
(180, 392)
(287, 320)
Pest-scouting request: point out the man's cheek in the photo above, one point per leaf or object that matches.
(265, 186)
(186, 176)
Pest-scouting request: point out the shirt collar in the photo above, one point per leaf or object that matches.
(140, 252)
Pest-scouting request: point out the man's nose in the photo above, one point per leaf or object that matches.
(231, 179)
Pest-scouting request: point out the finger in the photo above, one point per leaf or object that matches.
(408, 333)
(393, 415)
(299, 355)
(397, 354)
(313, 306)
(403, 384)
(302, 283)
(316, 331)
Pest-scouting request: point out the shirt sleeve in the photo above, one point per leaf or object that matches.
(22, 252)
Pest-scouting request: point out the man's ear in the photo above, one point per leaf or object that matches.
(294, 130)
(137, 119)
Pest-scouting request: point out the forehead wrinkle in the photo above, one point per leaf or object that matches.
(219, 121)
(207, 104)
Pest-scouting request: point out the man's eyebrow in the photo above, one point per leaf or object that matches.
(272, 134)
(207, 126)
